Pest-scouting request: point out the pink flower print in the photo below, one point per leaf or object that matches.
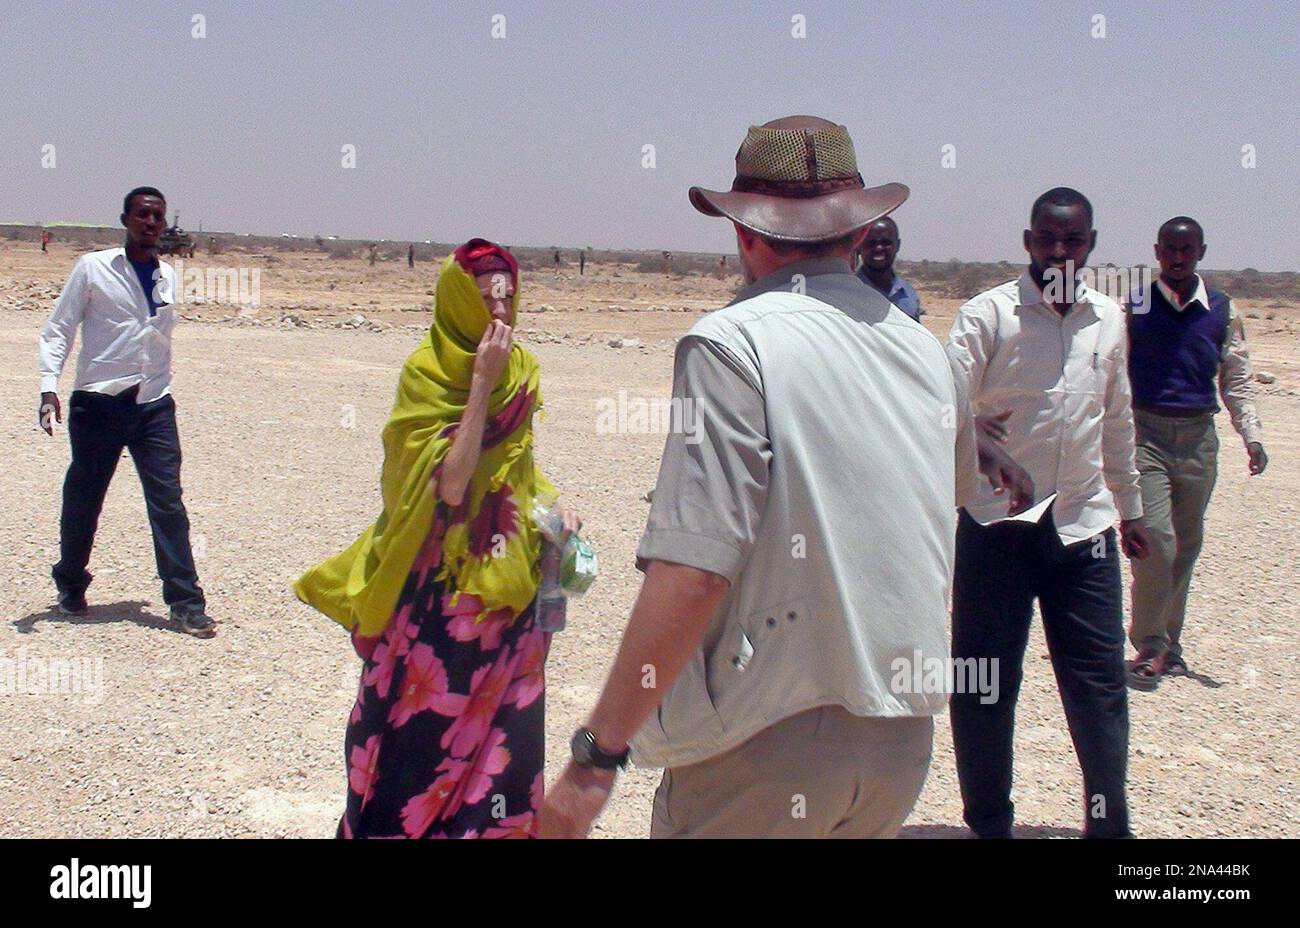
(421, 810)
(362, 769)
(516, 826)
(464, 624)
(424, 688)
(530, 671)
(490, 760)
(487, 690)
(396, 642)
(430, 556)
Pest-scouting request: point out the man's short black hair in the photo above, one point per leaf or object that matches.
(142, 191)
(1061, 196)
(1181, 221)
(890, 220)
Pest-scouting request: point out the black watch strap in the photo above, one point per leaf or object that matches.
(587, 753)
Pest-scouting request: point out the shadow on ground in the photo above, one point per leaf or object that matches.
(131, 610)
(960, 831)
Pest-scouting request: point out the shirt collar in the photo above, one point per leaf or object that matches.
(1198, 295)
(896, 284)
(1031, 295)
(781, 278)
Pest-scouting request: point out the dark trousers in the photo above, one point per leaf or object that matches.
(1000, 571)
(100, 426)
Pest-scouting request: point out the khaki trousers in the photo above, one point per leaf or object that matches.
(1177, 461)
(824, 773)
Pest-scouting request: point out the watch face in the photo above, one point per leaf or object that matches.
(581, 746)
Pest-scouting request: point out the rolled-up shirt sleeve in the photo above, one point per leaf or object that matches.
(713, 477)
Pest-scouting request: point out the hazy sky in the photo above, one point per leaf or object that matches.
(536, 138)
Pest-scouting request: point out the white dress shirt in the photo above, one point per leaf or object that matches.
(1065, 380)
(121, 344)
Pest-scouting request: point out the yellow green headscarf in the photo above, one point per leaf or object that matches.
(490, 546)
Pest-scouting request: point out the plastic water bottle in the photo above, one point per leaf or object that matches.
(551, 612)
(567, 570)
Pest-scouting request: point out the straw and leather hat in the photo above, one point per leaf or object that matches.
(797, 180)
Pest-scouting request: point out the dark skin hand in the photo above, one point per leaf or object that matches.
(49, 404)
(144, 223)
(992, 432)
(1258, 458)
(1004, 474)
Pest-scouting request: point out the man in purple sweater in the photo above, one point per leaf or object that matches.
(1184, 340)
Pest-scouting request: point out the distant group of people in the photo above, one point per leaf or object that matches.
(856, 482)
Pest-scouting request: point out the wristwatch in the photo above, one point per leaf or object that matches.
(587, 753)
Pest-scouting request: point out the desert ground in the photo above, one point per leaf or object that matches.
(280, 411)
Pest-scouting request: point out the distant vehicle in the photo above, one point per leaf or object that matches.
(175, 240)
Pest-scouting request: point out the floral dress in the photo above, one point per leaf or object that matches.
(446, 739)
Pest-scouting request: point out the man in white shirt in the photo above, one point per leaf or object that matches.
(120, 298)
(1045, 360)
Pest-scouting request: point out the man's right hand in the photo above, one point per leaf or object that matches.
(995, 427)
(1005, 474)
(49, 405)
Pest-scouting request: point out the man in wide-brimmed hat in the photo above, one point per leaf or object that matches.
(800, 541)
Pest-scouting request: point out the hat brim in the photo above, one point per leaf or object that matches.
(802, 219)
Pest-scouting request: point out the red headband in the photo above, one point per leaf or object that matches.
(479, 256)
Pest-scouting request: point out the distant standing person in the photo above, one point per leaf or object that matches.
(1044, 356)
(410, 255)
(121, 300)
(878, 253)
(373, 255)
(45, 240)
(1184, 340)
(582, 263)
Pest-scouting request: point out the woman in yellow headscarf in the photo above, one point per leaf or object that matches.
(446, 737)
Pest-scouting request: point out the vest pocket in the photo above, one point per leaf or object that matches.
(756, 646)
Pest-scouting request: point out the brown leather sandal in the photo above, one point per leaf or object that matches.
(1175, 666)
(1145, 671)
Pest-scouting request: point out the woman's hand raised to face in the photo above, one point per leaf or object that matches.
(493, 353)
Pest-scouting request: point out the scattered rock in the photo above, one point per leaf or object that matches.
(1266, 377)
(622, 342)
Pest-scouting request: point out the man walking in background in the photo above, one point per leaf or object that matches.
(877, 254)
(759, 665)
(120, 298)
(1183, 338)
(1045, 360)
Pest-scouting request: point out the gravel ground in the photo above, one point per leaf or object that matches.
(242, 735)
